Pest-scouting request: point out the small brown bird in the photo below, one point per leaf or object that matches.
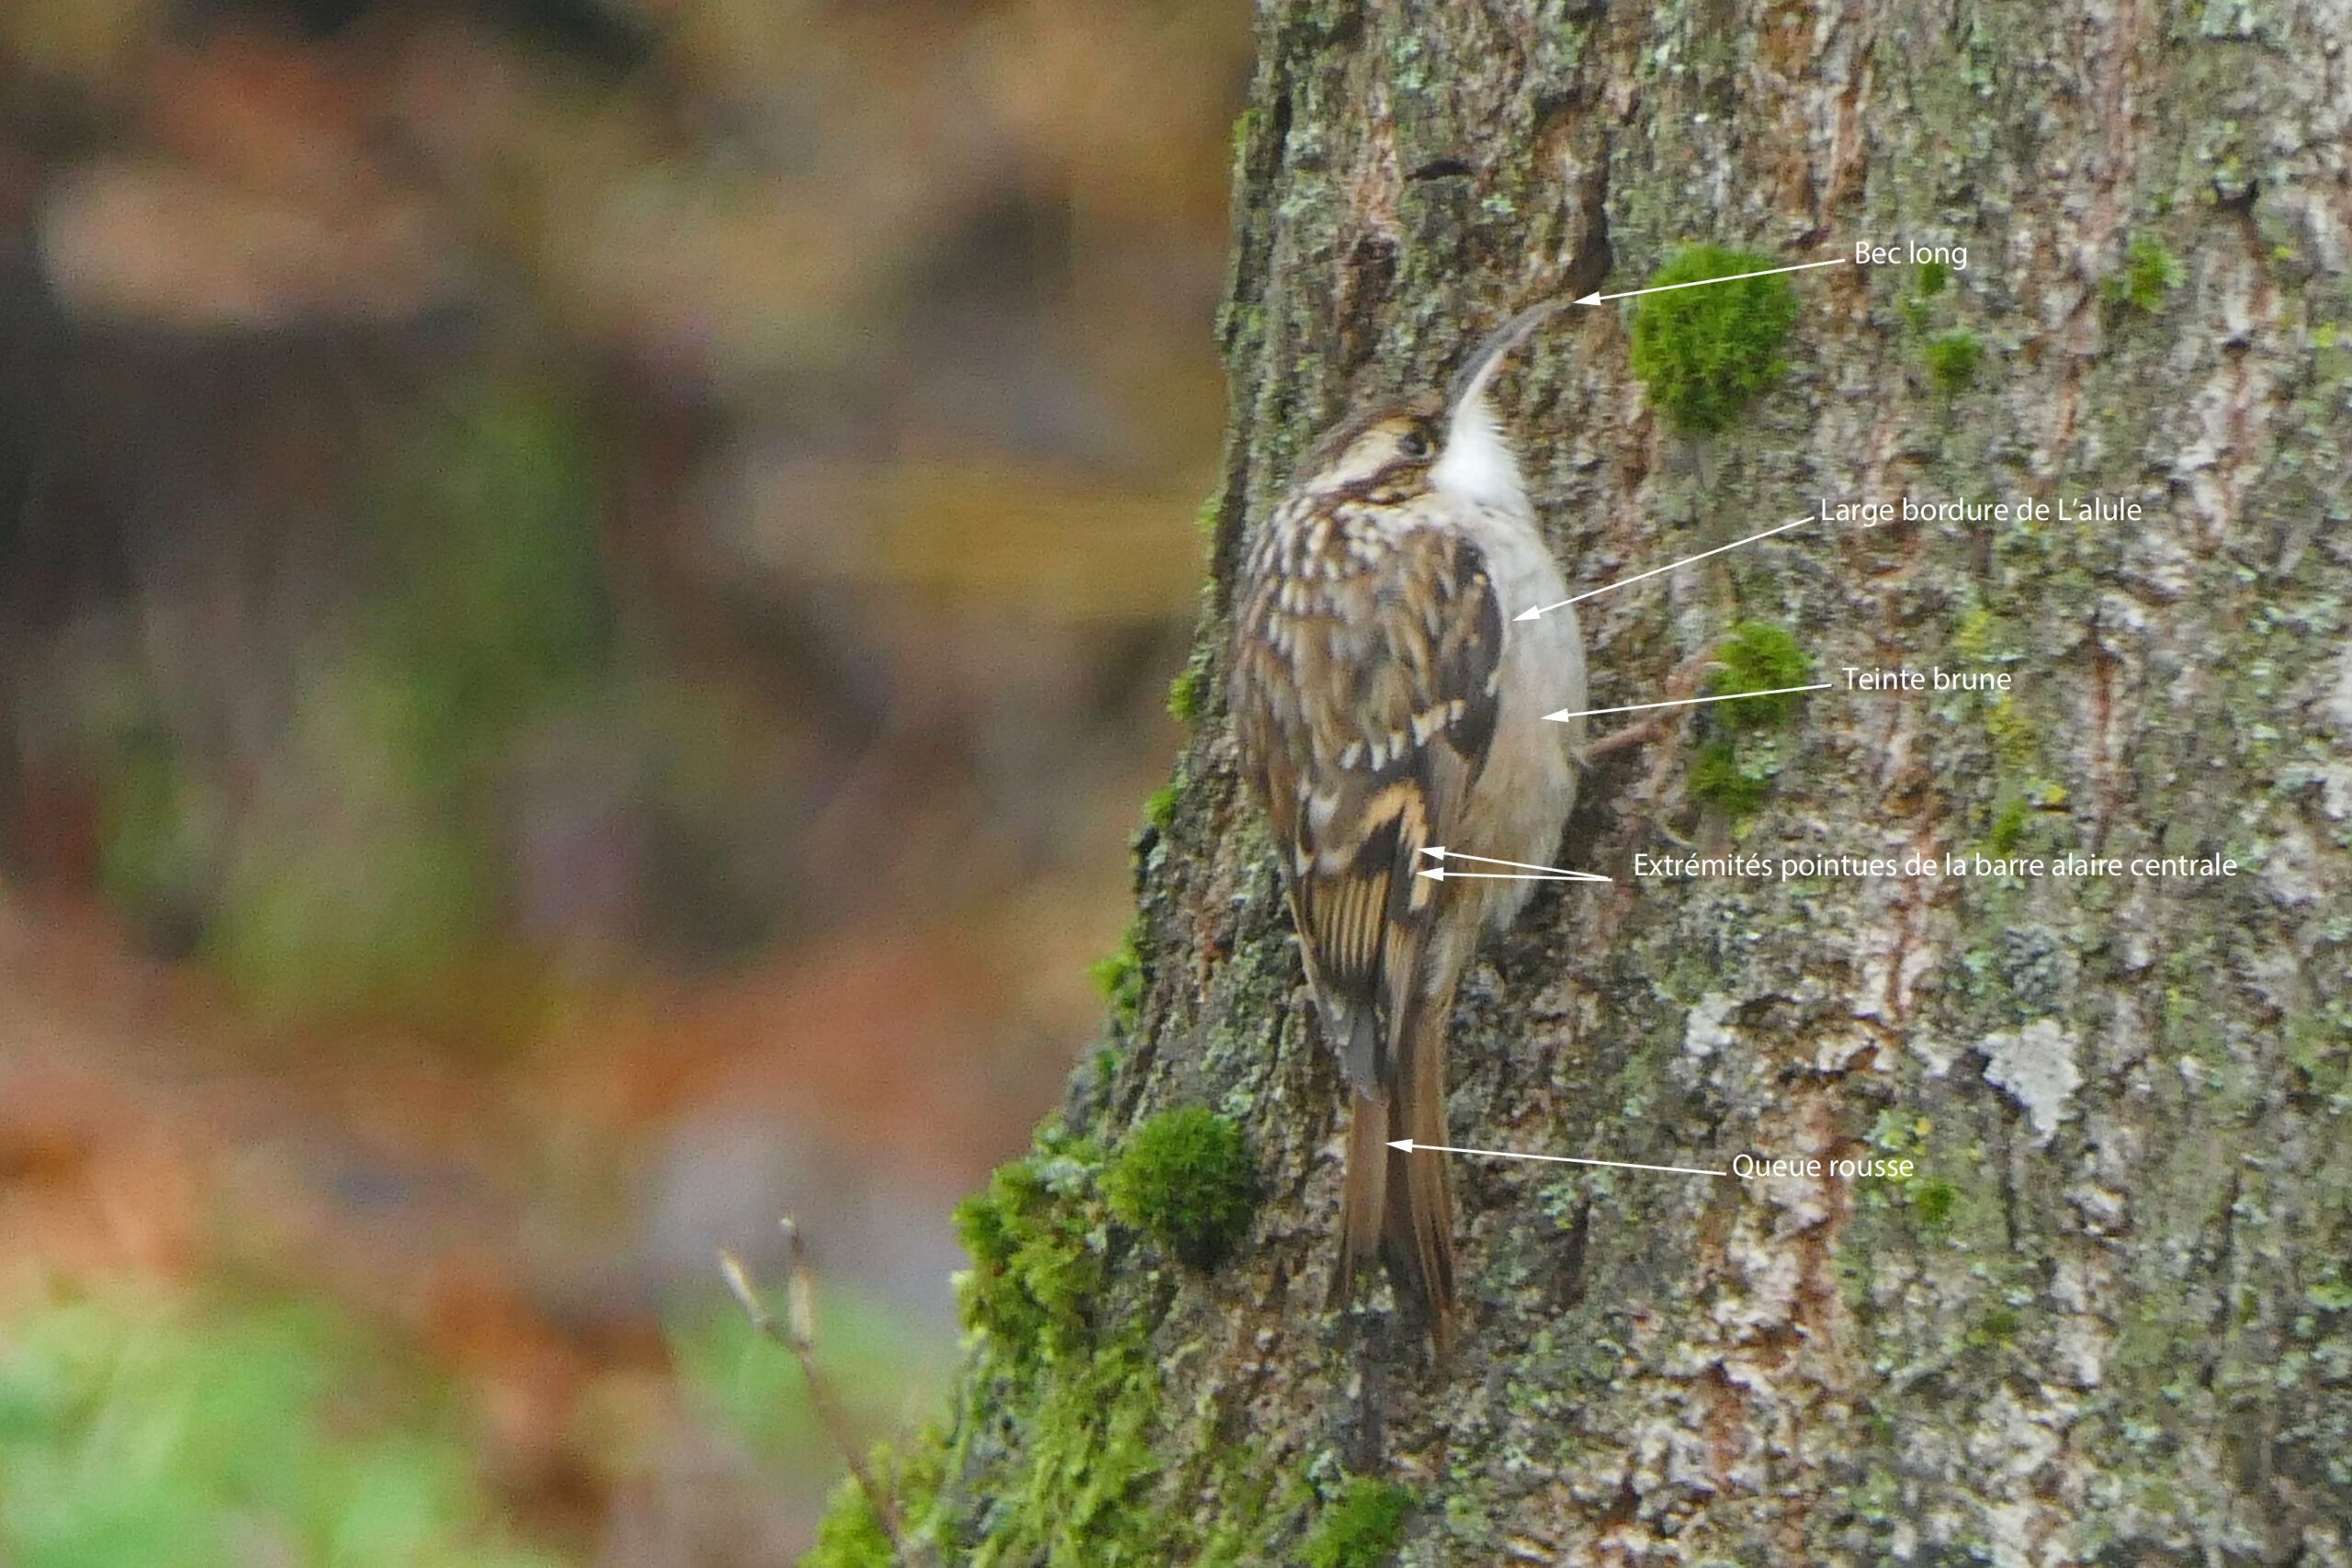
(1386, 699)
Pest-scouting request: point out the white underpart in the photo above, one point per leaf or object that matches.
(1529, 782)
(1478, 466)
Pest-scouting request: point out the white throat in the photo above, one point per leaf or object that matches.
(1478, 466)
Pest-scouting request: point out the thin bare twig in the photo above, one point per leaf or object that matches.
(797, 1334)
(1647, 731)
(1679, 685)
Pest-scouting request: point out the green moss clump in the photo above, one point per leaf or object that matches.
(1188, 693)
(1062, 1459)
(1717, 779)
(1160, 807)
(1758, 657)
(1935, 1202)
(2330, 1295)
(2013, 734)
(1119, 976)
(2150, 272)
(1090, 1454)
(1734, 772)
(1036, 1255)
(1952, 359)
(850, 1536)
(1185, 1179)
(1244, 125)
(1363, 1529)
(1088, 1392)
(1979, 634)
(1705, 353)
(1207, 521)
(1931, 279)
(1999, 1328)
(2008, 828)
(1078, 1380)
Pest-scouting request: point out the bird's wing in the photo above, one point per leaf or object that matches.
(1365, 699)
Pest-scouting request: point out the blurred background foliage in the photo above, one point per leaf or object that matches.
(586, 592)
(188, 1437)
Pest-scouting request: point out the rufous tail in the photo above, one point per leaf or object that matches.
(1363, 1196)
(1418, 1228)
(1397, 1205)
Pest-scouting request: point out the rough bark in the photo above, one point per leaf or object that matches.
(2110, 1319)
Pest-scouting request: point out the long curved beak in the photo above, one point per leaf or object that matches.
(1471, 382)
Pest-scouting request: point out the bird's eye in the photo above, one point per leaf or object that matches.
(1414, 444)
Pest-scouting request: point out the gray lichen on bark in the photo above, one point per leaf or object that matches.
(2110, 1318)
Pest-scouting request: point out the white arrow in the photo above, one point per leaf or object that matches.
(1596, 297)
(1439, 852)
(1409, 1146)
(1563, 714)
(1686, 560)
(1439, 874)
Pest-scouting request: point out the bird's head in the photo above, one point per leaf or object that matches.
(1452, 442)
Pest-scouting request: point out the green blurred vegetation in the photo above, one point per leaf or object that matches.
(220, 1435)
(495, 606)
(889, 1366)
(557, 500)
(369, 898)
(364, 875)
(212, 1433)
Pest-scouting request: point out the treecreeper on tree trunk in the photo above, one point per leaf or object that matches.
(1387, 700)
(1963, 400)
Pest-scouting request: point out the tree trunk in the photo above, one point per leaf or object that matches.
(2108, 1315)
